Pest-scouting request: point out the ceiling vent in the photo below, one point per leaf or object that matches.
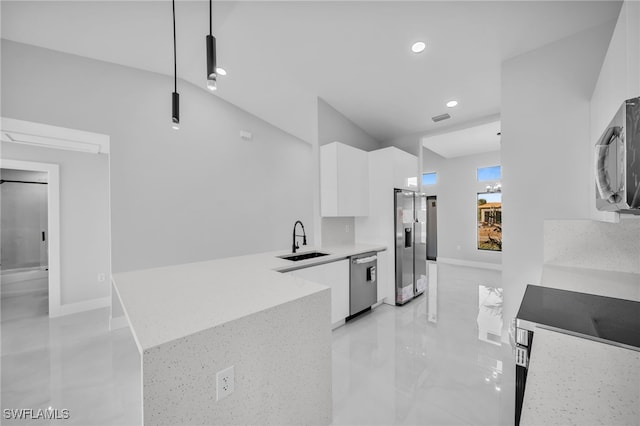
(440, 117)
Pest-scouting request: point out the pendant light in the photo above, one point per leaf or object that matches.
(175, 96)
(211, 55)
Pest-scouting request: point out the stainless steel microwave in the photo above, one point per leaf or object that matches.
(617, 162)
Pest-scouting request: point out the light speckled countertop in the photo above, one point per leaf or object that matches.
(576, 381)
(163, 304)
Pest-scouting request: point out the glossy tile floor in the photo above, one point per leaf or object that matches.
(73, 362)
(395, 366)
(436, 363)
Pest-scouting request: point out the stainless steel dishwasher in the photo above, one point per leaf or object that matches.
(363, 283)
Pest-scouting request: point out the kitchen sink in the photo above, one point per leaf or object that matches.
(303, 256)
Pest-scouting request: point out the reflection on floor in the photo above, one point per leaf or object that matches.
(390, 366)
(73, 362)
(490, 314)
(28, 289)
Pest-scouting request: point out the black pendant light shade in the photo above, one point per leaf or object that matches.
(175, 110)
(211, 63)
(175, 96)
(212, 74)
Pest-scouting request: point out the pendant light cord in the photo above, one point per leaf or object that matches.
(210, 18)
(175, 62)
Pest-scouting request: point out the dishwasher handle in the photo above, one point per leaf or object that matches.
(367, 259)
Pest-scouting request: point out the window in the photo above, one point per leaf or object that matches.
(490, 221)
(489, 173)
(429, 178)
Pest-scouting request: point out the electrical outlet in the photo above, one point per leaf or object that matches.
(225, 383)
(102, 277)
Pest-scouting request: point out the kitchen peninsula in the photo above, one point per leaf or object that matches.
(194, 320)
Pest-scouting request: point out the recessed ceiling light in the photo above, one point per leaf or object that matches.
(451, 104)
(418, 47)
(221, 71)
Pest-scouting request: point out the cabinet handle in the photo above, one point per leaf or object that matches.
(364, 260)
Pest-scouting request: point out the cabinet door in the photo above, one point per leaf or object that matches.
(405, 170)
(334, 275)
(344, 180)
(353, 181)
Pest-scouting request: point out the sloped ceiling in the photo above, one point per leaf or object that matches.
(355, 55)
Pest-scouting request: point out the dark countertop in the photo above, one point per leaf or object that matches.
(602, 318)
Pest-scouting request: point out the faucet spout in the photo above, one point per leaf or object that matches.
(294, 245)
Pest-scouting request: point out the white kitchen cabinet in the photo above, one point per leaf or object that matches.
(334, 275)
(404, 167)
(389, 168)
(619, 80)
(344, 180)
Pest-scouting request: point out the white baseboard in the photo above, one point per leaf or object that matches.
(118, 323)
(337, 324)
(87, 305)
(470, 263)
(380, 302)
(22, 292)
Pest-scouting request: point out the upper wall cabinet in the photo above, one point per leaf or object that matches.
(618, 81)
(405, 168)
(619, 77)
(344, 180)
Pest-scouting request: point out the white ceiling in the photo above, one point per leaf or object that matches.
(355, 55)
(472, 140)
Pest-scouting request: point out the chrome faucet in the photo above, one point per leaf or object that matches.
(294, 245)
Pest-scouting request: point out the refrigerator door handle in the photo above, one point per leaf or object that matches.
(408, 237)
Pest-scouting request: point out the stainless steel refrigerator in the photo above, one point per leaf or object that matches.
(411, 244)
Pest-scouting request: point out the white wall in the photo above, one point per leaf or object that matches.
(457, 188)
(84, 216)
(545, 149)
(409, 143)
(24, 218)
(176, 196)
(335, 127)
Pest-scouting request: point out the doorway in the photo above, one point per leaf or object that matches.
(29, 258)
(23, 249)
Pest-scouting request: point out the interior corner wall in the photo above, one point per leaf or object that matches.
(335, 127)
(84, 215)
(457, 188)
(545, 149)
(410, 143)
(176, 196)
